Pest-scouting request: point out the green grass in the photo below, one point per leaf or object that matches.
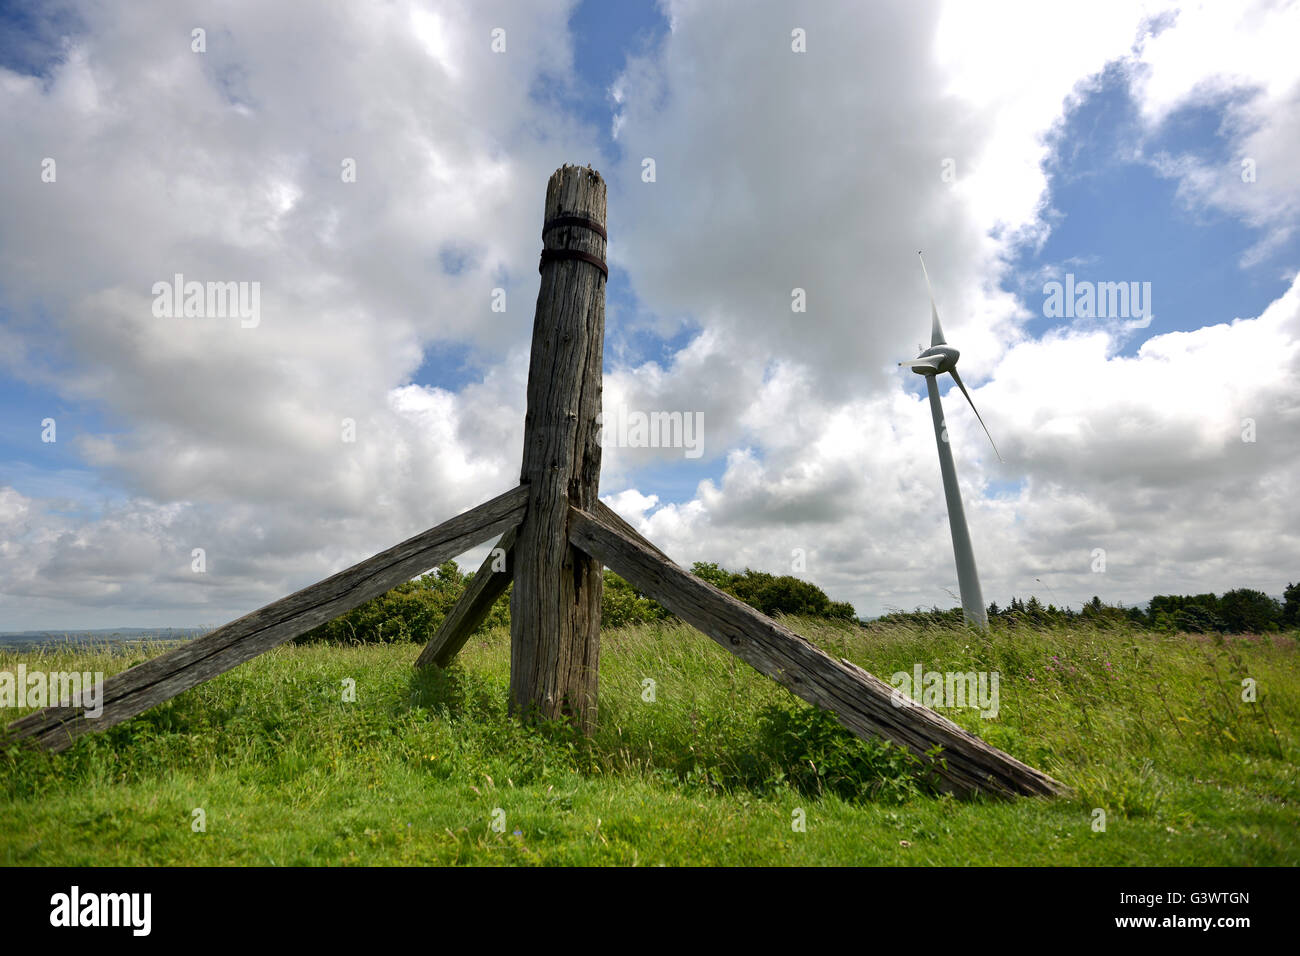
(1150, 729)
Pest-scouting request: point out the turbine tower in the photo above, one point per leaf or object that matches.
(941, 357)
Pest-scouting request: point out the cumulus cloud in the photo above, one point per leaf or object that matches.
(228, 165)
(1239, 59)
(903, 126)
(1142, 457)
(1179, 463)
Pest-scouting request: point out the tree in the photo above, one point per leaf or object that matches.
(1195, 619)
(1095, 612)
(1291, 606)
(710, 572)
(774, 594)
(1246, 611)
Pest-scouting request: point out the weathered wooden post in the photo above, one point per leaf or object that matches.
(555, 605)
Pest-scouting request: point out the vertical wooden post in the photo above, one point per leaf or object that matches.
(555, 605)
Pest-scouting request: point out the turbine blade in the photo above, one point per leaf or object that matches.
(936, 330)
(957, 378)
(932, 363)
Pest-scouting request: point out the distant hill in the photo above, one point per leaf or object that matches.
(108, 635)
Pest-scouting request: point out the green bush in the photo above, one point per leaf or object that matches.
(773, 594)
(622, 605)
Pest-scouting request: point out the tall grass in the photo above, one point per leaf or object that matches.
(710, 767)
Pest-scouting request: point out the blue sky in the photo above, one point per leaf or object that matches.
(604, 35)
(777, 168)
(1120, 219)
(30, 41)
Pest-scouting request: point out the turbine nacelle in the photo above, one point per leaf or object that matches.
(934, 361)
(941, 357)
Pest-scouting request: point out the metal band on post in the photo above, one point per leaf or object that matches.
(553, 255)
(583, 221)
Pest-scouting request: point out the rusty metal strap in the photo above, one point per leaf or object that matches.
(583, 221)
(551, 255)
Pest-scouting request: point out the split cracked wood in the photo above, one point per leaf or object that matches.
(555, 603)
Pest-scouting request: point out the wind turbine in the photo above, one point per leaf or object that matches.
(941, 357)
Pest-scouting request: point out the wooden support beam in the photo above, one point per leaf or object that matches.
(141, 687)
(555, 603)
(472, 608)
(861, 702)
(603, 512)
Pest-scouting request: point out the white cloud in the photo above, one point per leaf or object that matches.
(1142, 456)
(227, 166)
(1239, 58)
(1139, 455)
(776, 170)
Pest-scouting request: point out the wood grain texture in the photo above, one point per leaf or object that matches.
(473, 606)
(861, 702)
(555, 603)
(141, 687)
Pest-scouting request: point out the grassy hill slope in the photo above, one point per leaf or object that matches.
(717, 769)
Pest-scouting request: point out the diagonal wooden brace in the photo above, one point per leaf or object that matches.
(137, 689)
(861, 702)
(607, 515)
(472, 608)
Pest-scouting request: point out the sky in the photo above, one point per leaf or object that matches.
(377, 174)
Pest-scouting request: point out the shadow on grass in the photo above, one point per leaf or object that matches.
(458, 694)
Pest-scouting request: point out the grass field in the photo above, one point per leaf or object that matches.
(717, 769)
